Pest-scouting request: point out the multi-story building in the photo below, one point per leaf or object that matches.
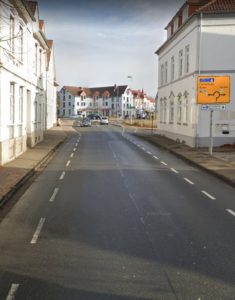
(27, 78)
(106, 101)
(200, 42)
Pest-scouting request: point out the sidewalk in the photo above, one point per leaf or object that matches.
(15, 173)
(220, 164)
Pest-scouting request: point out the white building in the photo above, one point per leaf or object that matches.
(27, 89)
(200, 41)
(106, 101)
(136, 103)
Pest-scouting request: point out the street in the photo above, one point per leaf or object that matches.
(114, 217)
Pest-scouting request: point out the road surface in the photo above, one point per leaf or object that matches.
(113, 217)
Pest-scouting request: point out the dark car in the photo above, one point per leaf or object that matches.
(86, 122)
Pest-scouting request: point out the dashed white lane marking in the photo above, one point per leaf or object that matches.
(71, 155)
(156, 157)
(231, 212)
(162, 162)
(68, 163)
(138, 145)
(56, 190)
(62, 175)
(189, 181)
(38, 231)
(149, 152)
(142, 221)
(74, 149)
(174, 170)
(12, 292)
(209, 195)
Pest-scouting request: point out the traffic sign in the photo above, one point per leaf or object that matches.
(213, 107)
(213, 89)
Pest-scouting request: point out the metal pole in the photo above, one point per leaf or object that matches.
(211, 133)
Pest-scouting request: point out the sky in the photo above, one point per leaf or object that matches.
(103, 42)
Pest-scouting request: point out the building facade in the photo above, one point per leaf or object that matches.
(106, 101)
(27, 78)
(200, 42)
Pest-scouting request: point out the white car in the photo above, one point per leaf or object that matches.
(104, 120)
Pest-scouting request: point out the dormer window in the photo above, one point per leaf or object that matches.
(185, 14)
(176, 24)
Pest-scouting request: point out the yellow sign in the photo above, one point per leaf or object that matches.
(213, 89)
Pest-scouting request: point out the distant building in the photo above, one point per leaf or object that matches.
(27, 78)
(75, 101)
(200, 41)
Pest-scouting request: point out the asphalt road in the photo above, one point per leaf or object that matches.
(113, 217)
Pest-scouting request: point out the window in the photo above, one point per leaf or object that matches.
(12, 103)
(162, 75)
(176, 21)
(70, 97)
(185, 14)
(106, 103)
(21, 99)
(187, 59)
(171, 111)
(186, 109)
(40, 62)
(36, 59)
(172, 68)
(69, 103)
(21, 44)
(164, 110)
(180, 62)
(78, 103)
(179, 109)
(12, 34)
(166, 75)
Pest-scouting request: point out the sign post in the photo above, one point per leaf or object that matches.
(213, 92)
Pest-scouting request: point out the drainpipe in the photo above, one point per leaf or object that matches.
(199, 73)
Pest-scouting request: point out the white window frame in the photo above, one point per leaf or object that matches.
(187, 49)
(172, 68)
(180, 62)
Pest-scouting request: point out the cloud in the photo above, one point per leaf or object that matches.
(102, 42)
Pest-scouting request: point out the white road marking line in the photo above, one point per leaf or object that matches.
(142, 221)
(62, 175)
(162, 162)
(156, 157)
(231, 212)
(138, 145)
(12, 292)
(56, 190)
(143, 148)
(71, 155)
(189, 181)
(209, 195)
(68, 163)
(74, 149)
(149, 152)
(174, 170)
(38, 231)
(76, 144)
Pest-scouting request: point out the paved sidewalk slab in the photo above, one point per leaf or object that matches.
(15, 173)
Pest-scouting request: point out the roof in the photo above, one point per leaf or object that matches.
(205, 7)
(33, 6)
(109, 91)
(217, 6)
(73, 90)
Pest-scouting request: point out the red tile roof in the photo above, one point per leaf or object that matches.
(108, 91)
(215, 6)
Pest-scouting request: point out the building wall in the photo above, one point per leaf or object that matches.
(23, 116)
(205, 51)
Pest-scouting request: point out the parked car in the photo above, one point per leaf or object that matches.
(104, 121)
(85, 122)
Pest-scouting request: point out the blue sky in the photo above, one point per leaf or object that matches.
(102, 42)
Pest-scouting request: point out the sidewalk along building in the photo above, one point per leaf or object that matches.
(200, 46)
(27, 78)
(75, 101)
